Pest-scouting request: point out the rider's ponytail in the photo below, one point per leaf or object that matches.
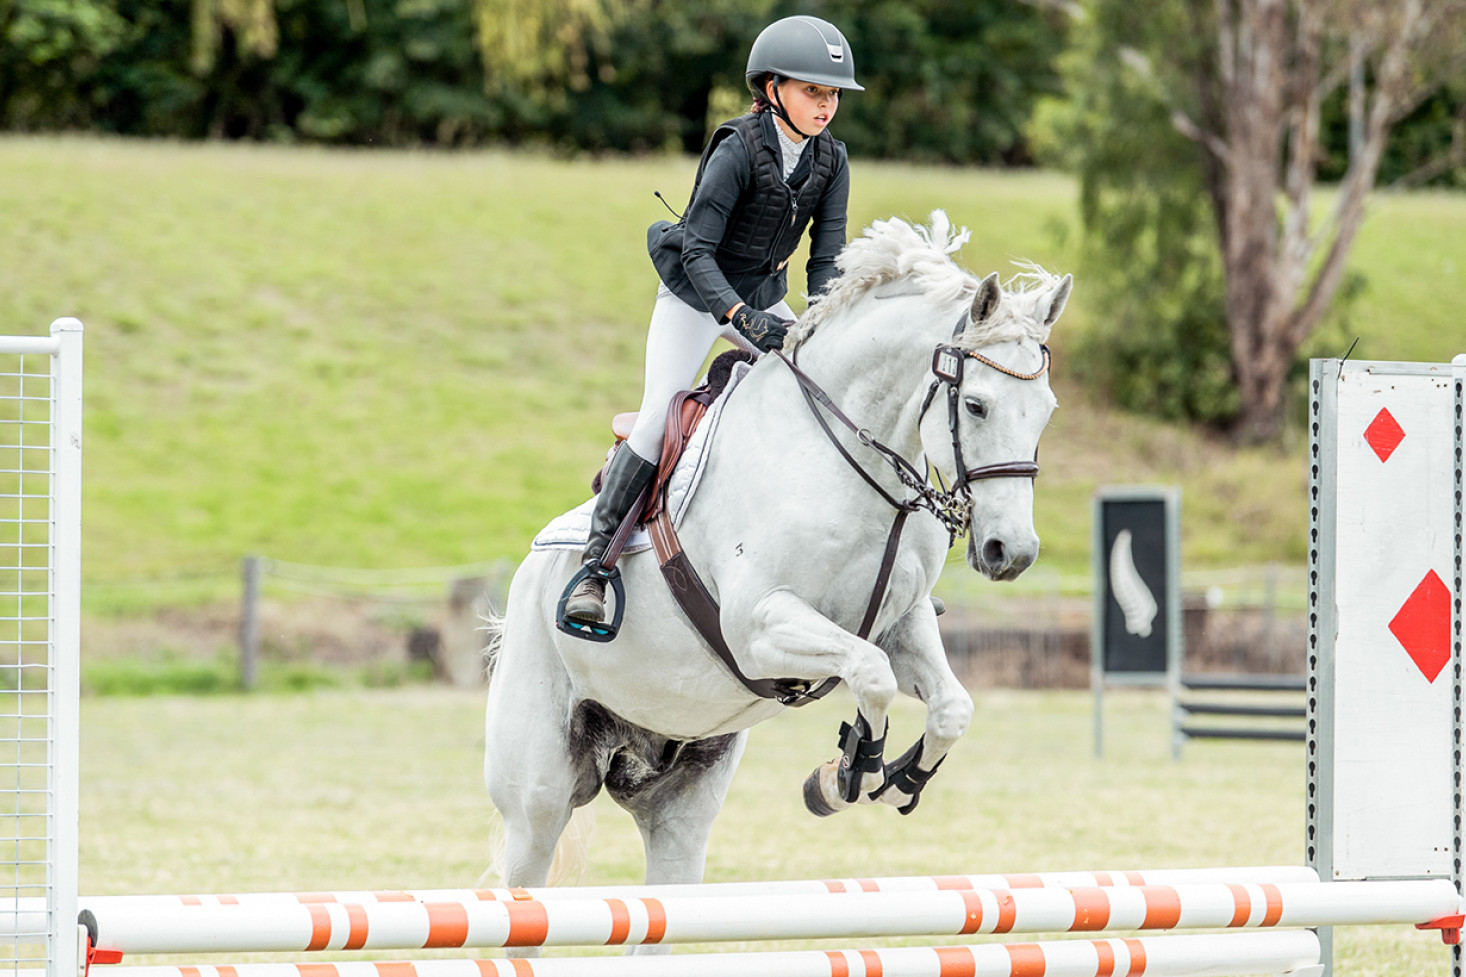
(761, 101)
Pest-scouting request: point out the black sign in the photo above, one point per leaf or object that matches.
(1136, 579)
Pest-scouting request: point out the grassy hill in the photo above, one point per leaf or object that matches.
(397, 359)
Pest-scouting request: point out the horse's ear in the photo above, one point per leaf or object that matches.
(989, 294)
(1061, 297)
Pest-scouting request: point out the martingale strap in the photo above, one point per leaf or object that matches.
(703, 611)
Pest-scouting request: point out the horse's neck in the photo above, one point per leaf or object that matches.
(877, 373)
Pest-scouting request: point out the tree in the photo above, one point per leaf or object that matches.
(948, 81)
(252, 22)
(48, 48)
(1275, 67)
(667, 65)
(546, 46)
(1245, 82)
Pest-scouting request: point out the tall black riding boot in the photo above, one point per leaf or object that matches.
(625, 478)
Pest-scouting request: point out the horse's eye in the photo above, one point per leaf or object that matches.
(977, 408)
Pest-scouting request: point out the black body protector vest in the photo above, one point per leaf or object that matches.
(771, 216)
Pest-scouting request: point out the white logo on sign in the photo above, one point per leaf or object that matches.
(1131, 593)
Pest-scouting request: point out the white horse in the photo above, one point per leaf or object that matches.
(789, 538)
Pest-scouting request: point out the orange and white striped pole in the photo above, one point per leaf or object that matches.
(284, 927)
(24, 915)
(1163, 956)
(785, 887)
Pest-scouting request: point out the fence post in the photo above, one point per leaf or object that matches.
(462, 644)
(249, 625)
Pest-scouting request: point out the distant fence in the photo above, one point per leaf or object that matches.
(1245, 620)
(445, 604)
(1034, 633)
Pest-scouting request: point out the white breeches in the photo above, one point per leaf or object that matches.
(677, 344)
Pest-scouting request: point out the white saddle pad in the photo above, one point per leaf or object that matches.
(570, 530)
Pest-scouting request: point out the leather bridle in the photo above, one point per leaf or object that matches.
(952, 506)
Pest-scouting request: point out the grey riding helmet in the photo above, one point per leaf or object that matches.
(803, 48)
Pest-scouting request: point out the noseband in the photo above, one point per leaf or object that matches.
(952, 506)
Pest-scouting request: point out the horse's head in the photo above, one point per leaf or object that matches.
(962, 359)
(991, 403)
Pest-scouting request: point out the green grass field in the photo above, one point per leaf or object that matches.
(397, 359)
(382, 790)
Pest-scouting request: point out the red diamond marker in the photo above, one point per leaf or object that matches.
(1423, 626)
(1384, 434)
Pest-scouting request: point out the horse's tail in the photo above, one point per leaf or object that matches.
(493, 628)
(572, 851)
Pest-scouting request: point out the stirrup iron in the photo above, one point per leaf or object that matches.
(606, 630)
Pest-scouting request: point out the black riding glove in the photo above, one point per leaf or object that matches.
(764, 330)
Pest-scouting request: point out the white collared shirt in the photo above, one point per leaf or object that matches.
(791, 151)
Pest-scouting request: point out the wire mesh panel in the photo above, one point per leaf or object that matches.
(40, 462)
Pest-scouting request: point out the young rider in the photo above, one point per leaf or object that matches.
(763, 178)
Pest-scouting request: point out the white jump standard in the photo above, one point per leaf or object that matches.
(1384, 657)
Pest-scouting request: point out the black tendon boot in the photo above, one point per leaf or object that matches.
(625, 478)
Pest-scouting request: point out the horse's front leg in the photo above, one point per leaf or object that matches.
(920, 664)
(788, 638)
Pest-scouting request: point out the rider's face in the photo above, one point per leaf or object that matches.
(810, 106)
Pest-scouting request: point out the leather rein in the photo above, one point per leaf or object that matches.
(952, 506)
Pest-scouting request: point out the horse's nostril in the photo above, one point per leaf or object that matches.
(994, 553)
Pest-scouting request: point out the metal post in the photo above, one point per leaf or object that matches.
(1458, 383)
(65, 613)
(1096, 622)
(249, 625)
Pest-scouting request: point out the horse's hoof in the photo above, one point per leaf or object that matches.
(821, 792)
(814, 800)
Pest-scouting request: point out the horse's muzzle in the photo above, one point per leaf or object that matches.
(998, 558)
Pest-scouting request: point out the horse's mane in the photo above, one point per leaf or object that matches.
(921, 257)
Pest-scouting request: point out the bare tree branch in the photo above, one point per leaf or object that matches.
(1213, 143)
(1432, 168)
(1390, 78)
(1226, 48)
(1295, 248)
